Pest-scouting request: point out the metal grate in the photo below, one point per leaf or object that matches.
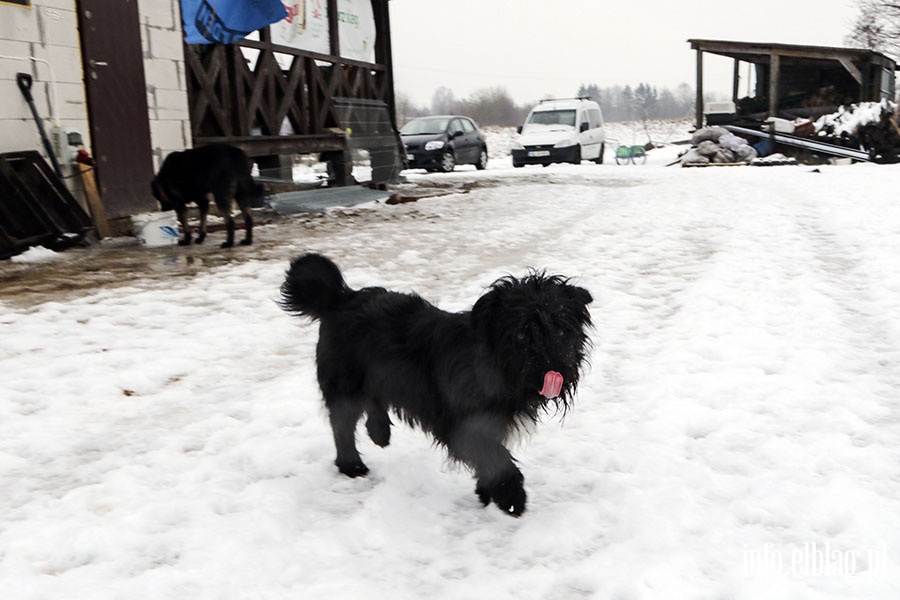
(369, 127)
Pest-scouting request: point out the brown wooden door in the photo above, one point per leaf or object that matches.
(117, 104)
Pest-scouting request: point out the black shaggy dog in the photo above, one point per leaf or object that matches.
(470, 378)
(218, 169)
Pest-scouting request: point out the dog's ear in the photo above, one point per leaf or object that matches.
(484, 310)
(581, 295)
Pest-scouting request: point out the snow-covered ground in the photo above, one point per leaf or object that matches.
(737, 436)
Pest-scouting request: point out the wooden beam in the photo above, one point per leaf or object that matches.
(263, 145)
(851, 68)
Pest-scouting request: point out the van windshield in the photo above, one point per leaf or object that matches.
(552, 117)
(425, 126)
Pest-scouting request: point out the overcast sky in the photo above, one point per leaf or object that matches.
(535, 48)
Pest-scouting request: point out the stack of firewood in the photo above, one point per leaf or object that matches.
(869, 126)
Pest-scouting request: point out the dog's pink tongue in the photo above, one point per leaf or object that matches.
(553, 383)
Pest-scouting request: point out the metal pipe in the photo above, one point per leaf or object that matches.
(54, 96)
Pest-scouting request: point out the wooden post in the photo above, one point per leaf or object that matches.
(735, 81)
(699, 105)
(774, 74)
(333, 36)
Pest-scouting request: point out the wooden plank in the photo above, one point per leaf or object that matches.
(98, 213)
(258, 145)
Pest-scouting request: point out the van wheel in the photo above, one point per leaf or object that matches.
(599, 159)
(448, 162)
(577, 159)
(482, 160)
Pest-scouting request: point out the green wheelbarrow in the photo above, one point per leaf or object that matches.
(630, 155)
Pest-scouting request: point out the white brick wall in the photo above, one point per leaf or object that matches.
(46, 31)
(49, 31)
(161, 37)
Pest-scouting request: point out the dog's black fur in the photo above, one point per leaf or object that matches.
(470, 378)
(218, 169)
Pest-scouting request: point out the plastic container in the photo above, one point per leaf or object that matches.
(156, 228)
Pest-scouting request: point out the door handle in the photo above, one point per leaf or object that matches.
(98, 63)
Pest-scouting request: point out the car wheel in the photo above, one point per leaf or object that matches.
(448, 162)
(599, 159)
(518, 165)
(577, 159)
(482, 160)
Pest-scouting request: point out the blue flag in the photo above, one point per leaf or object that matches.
(227, 21)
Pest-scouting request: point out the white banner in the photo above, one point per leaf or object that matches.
(356, 29)
(306, 28)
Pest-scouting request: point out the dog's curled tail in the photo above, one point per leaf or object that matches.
(313, 286)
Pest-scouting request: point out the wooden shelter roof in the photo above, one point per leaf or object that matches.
(761, 53)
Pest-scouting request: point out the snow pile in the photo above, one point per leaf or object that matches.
(35, 254)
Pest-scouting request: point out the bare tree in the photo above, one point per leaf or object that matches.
(877, 26)
(406, 110)
(493, 106)
(443, 102)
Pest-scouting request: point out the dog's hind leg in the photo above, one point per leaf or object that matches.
(223, 203)
(344, 414)
(229, 231)
(182, 219)
(247, 192)
(477, 442)
(248, 226)
(378, 423)
(203, 206)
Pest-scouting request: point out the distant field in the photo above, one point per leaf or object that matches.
(663, 131)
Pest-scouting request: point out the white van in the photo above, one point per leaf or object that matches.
(563, 130)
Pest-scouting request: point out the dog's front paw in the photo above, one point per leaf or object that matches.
(200, 238)
(353, 469)
(246, 242)
(227, 245)
(184, 242)
(507, 491)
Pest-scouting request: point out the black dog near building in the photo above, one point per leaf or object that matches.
(218, 169)
(470, 379)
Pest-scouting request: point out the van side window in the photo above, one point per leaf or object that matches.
(467, 126)
(596, 118)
